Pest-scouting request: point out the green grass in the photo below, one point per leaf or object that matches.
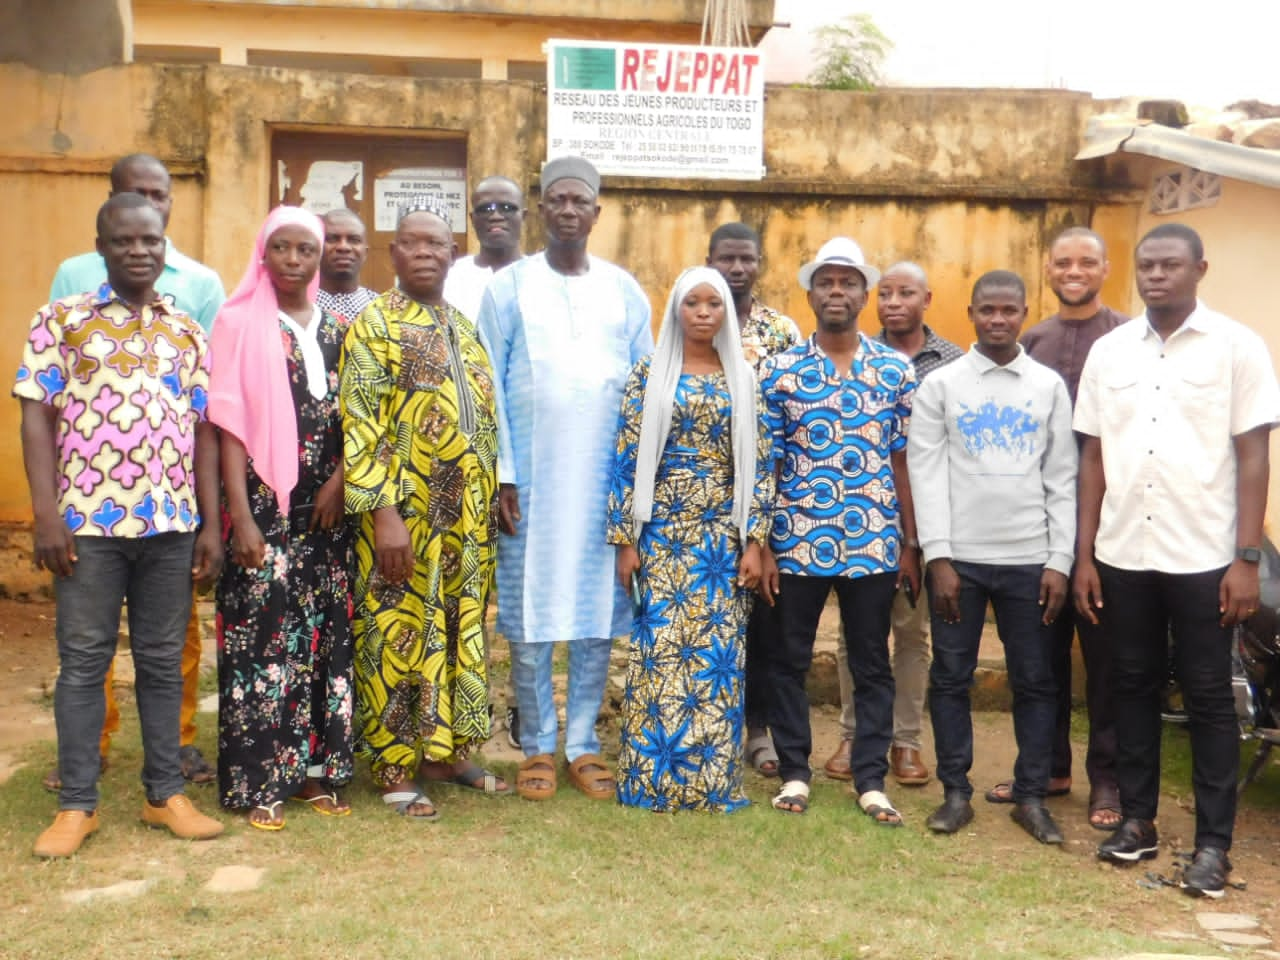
(575, 878)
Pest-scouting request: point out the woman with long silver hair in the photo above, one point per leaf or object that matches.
(689, 511)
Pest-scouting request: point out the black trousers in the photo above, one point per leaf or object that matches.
(1137, 608)
(1100, 757)
(762, 634)
(865, 604)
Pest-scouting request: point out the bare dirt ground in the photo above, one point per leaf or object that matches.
(28, 664)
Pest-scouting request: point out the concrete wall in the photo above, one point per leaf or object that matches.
(961, 182)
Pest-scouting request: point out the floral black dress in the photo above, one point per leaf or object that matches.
(284, 630)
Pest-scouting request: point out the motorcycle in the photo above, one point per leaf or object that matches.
(1255, 670)
(1256, 667)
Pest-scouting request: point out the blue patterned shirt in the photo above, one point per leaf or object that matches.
(836, 513)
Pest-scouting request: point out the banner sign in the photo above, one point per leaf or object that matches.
(657, 110)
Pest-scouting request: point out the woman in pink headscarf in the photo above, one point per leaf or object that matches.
(284, 600)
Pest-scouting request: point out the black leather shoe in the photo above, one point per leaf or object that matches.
(954, 813)
(1035, 819)
(1207, 875)
(1133, 840)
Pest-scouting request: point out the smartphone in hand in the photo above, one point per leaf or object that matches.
(635, 590)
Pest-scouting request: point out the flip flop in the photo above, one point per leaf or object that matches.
(792, 798)
(877, 806)
(272, 810)
(336, 811)
(475, 777)
(762, 756)
(402, 800)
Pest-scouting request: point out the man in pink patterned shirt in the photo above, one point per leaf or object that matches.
(122, 463)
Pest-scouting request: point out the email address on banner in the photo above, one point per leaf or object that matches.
(669, 160)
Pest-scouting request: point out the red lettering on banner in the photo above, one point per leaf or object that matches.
(687, 71)
(630, 64)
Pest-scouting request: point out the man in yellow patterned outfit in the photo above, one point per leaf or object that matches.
(421, 459)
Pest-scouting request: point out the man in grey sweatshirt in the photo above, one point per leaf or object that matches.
(993, 463)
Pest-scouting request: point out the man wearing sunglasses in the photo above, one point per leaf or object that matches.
(497, 214)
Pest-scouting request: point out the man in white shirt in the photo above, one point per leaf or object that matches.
(1175, 407)
(497, 214)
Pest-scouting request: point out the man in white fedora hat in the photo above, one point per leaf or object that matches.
(838, 405)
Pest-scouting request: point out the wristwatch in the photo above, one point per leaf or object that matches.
(1249, 554)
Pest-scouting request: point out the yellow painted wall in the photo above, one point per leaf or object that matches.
(986, 199)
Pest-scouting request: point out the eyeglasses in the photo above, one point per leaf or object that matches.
(503, 207)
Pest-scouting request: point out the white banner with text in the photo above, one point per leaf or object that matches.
(657, 110)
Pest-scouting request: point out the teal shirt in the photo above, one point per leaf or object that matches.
(194, 288)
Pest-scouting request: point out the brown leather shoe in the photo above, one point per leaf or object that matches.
(907, 766)
(839, 764)
(179, 816)
(64, 836)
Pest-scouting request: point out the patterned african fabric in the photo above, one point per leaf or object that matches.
(936, 353)
(188, 284)
(836, 513)
(765, 333)
(284, 631)
(347, 305)
(681, 746)
(129, 386)
(562, 349)
(421, 436)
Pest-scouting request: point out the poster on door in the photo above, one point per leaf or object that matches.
(657, 110)
(447, 186)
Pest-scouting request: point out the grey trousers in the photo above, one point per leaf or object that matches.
(154, 575)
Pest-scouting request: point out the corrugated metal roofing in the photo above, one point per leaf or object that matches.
(1251, 164)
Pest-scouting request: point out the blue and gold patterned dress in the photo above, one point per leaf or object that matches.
(682, 709)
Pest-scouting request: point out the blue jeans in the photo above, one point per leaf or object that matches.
(588, 671)
(1014, 594)
(154, 575)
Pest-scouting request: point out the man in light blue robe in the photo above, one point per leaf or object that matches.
(563, 329)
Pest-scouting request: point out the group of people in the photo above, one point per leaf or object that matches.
(354, 470)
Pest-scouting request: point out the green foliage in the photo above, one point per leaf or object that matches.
(849, 54)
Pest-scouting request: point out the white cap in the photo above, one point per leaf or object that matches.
(842, 252)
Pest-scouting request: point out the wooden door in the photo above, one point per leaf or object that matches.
(371, 175)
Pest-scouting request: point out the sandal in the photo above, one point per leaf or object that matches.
(472, 776)
(536, 777)
(52, 780)
(402, 800)
(1104, 808)
(793, 797)
(275, 819)
(1002, 792)
(598, 784)
(762, 756)
(195, 768)
(877, 806)
(325, 803)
